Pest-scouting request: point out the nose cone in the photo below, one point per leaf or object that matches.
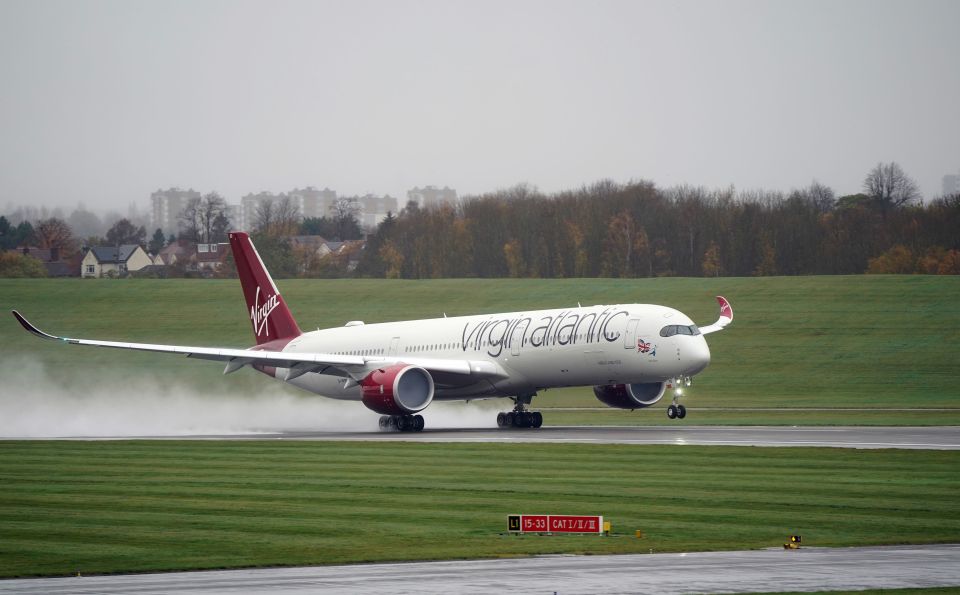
(697, 356)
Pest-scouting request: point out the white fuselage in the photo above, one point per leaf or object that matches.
(535, 350)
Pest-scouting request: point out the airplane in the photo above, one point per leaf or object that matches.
(630, 353)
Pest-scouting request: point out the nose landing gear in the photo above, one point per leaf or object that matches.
(675, 410)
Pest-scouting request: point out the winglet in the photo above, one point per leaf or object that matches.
(28, 326)
(726, 310)
(726, 317)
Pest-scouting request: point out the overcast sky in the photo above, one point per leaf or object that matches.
(106, 101)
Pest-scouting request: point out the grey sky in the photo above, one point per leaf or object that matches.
(105, 102)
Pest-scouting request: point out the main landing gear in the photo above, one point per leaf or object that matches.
(676, 410)
(402, 423)
(520, 417)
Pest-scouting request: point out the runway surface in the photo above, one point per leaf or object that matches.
(930, 438)
(811, 569)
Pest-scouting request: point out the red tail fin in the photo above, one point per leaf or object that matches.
(269, 314)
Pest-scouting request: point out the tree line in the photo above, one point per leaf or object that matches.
(639, 230)
(602, 230)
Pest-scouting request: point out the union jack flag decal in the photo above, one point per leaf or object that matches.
(643, 346)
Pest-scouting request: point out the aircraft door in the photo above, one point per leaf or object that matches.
(517, 337)
(630, 337)
(393, 346)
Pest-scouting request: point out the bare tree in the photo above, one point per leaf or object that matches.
(263, 215)
(203, 219)
(188, 220)
(277, 217)
(344, 212)
(890, 187)
(286, 221)
(821, 197)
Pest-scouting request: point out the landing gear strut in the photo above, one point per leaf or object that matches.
(402, 423)
(520, 417)
(676, 410)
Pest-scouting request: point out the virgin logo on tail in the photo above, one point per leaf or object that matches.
(259, 313)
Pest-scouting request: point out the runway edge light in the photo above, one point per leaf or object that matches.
(793, 544)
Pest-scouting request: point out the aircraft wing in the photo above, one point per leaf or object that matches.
(298, 363)
(726, 317)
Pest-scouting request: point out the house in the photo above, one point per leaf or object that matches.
(114, 261)
(179, 251)
(52, 260)
(210, 257)
(314, 244)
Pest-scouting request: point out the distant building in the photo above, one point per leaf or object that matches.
(248, 208)
(431, 196)
(313, 202)
(103, 261)
(951, 184)
(166, 206)
(374, 209)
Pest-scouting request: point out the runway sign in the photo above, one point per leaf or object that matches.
(554, 523)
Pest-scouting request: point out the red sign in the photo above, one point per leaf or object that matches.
(554, 523)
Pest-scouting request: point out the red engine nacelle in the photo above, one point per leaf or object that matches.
(397, 390)
(630, 396)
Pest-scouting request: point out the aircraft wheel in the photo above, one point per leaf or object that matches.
(672, 411)
(681, 412)
(508, 419)
(501, 420)
(417, 423)
(404, 423)
(522, 419)
(536, 419)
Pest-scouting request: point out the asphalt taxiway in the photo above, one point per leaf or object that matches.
(928, 438)
(812, 569)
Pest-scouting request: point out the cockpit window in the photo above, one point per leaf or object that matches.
(679, 329)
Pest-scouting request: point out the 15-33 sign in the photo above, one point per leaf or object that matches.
(554, 523)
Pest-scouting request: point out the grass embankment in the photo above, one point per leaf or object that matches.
(867, 342)
(146, 506)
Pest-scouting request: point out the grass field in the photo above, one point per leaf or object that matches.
(868, 342)
(145, 506)
(819, 350)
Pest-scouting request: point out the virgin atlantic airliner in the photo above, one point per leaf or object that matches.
(630, 353)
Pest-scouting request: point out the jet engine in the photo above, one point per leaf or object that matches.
(397, 390)
(630, 396)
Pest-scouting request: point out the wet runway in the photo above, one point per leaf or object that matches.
(930, 438)
(813, 569)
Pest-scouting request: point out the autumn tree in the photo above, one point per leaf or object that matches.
(55, 235)
(898, 260)
(392, 259)
(514, 257)
(14, 264)
(711, 261)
